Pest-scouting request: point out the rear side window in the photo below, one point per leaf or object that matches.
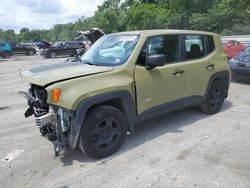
(198, 46)
(194, 46)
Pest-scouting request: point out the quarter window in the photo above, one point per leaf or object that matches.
(210, 44)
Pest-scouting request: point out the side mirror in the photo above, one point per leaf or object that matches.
(155, 61)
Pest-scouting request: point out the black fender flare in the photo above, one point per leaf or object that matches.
(215, 76)
(127, 103)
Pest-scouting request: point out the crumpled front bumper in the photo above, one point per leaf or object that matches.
(54, 124)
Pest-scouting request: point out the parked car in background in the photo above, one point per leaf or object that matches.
(5, 50)
(32, 45)
(63, 48)
(19, 48)
(42, 44)
(240, 65)
(232, 48)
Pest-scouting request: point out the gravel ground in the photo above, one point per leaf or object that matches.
(182, 149)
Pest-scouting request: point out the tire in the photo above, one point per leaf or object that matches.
(215, 98)
(103, 132)
(31, 52)
(6, 54)
(52, 54)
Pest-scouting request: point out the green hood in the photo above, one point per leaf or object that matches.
(49, 74)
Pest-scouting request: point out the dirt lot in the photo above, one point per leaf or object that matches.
(182, 149)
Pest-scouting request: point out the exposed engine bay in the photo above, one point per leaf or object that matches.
(53, 122)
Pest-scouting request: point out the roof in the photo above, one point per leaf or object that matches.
(165, 31)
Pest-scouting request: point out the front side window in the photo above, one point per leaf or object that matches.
(111, 50)
(169, 45)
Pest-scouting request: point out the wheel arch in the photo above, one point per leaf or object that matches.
(223, 77)
(121, 100)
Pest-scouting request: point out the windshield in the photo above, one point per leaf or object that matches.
(247, 49)
(111, 50)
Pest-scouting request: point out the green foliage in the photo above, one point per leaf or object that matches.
(220, 16)
(146, 16)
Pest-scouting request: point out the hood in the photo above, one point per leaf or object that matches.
(49, 74)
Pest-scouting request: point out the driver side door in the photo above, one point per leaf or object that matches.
(163, 86)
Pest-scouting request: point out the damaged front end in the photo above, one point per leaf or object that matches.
(54, 122)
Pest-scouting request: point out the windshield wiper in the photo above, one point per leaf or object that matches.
(74, 59)
(88, 62)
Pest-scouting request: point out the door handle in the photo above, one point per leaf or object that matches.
(177, 72)
(209, 66)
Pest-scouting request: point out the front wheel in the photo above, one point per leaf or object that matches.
(214, 99)
(6, 54)
(103, 132)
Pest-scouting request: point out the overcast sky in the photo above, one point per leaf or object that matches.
(43, 14)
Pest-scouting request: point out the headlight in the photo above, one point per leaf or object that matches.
(39, 93)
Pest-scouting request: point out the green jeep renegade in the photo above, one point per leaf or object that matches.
(123, 79)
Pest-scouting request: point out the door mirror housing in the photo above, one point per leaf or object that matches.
(155, 61)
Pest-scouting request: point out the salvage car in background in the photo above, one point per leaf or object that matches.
(32, 45)
(62, 48)
(90, 37)
(240, 65)
(18, 48)
(232, 48)
(5, 50)
(42, 44)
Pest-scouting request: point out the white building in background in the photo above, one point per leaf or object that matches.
(244, 39)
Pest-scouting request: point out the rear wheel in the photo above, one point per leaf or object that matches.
(104, 132)
(31, 52)
(214, 99)
(53, 54)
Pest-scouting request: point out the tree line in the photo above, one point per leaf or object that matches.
(226, 17)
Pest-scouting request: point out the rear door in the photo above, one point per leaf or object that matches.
(62, 50)
(197, 53)
(163, 84)
(15, 48)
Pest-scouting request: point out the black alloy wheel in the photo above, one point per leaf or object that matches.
(214, 99)
(103, 132)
